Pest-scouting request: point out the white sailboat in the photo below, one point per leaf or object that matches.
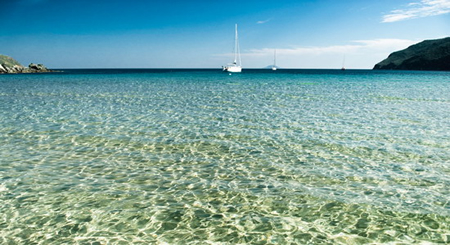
(343, 64)
(236, 65)
(274, 67)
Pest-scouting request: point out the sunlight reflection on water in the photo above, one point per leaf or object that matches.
(193, 157)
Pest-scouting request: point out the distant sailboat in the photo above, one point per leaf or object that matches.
(343, 64)
(274, 67)
(236, 65)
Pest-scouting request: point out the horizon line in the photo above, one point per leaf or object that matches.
(203, 68)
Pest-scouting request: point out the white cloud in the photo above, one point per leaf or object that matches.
(263, 21)
(358, 46)
(359, 54)
(420, 9)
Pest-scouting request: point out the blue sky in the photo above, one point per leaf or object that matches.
(200, 34)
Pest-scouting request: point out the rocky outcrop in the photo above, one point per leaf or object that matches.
(433, 55)
(9, 65)
(37, 68)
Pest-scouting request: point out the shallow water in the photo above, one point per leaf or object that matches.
(201, 157)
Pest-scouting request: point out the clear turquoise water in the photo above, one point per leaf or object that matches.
(201, 157)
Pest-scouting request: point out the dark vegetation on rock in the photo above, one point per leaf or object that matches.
(432, 55)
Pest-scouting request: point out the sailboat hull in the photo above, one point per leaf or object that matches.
(232, 69)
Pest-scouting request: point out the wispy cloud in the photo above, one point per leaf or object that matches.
(263, 21)
(356, 47)
(420, 9)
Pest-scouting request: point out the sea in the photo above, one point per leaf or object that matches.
(200, 156)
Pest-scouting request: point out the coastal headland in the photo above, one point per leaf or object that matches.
(9, 65)
(428, 55)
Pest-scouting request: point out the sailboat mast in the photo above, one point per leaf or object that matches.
(237, 55)
(238, 51)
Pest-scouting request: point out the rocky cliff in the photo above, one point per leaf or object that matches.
(10, 65)
(427, 55)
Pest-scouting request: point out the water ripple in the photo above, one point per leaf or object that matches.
(189, 158)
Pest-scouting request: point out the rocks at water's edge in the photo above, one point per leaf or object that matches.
(9, 65)
(433, 55)
(38, 68)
